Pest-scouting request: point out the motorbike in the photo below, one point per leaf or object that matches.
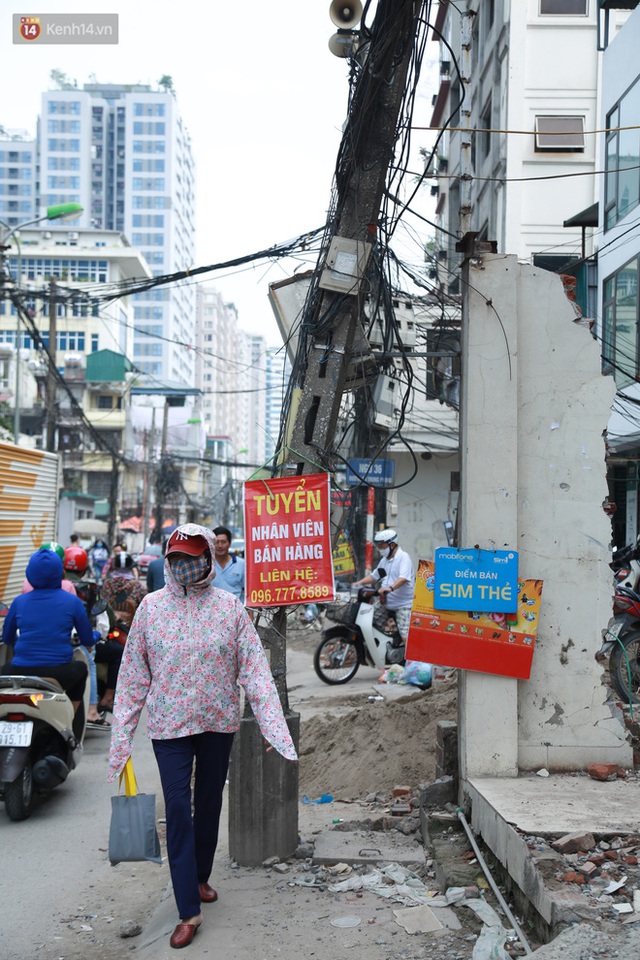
(38, 745)
(364, 633)
(626, 566)
(621, 636)
(621, 644)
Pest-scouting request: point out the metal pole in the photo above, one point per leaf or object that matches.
(51, 374)
(16, 399)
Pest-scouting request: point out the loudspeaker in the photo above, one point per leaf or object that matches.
(344, 43)
(345, 13)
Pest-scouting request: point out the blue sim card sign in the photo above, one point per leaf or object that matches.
(474, 579)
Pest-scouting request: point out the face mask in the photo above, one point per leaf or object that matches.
(383, 551)
(188, 572)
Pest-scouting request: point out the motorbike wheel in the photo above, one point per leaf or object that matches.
(336, 660)
(18, 795)
(618, 671)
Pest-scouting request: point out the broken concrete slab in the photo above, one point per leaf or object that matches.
(361, 846)
(418, 919)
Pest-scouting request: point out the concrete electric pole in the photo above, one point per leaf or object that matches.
(263, 814)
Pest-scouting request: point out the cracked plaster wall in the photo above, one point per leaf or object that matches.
(533, 479)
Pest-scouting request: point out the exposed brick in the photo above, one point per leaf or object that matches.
(574, 843)
(603, 771)
(588, 869)
(573, 877)
(400, 791)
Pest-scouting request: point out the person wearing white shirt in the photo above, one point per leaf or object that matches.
(396, 578)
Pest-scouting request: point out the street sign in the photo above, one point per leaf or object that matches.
(474, 579)
(374, 473)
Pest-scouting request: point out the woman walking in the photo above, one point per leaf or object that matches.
(189, 647)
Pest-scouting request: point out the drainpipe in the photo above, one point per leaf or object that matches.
(494, 886)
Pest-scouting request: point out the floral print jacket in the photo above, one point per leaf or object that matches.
(187, 652)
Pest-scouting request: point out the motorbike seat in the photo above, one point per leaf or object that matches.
(628, 592)
(54, 683)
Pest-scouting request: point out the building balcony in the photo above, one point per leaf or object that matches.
(107, 419)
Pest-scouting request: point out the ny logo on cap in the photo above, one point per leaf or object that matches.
(179, 535)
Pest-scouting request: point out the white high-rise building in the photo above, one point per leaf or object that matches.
(518, 103)
(123, 152)
(230, 370)
(278, 374)
(18, 157)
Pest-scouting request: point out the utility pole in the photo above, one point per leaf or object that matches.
(161, 486)
(366, 152)
(256, 829)
(52, 410)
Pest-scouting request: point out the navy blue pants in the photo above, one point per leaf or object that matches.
(192, 839)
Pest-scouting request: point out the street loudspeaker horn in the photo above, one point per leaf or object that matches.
(344, 43)
(345, 13)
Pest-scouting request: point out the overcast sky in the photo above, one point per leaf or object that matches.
(264, 101)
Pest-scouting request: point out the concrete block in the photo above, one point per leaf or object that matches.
(263, 797)
(440, 792)
(574, 842)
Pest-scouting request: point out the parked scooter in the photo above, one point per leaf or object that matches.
(621, 636)
(366, 634)
(621, 644)
(38, 745)
(626, 566)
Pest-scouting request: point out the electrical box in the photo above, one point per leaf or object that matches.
(385, 398)
(346, 263)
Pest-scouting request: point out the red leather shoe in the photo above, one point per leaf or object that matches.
(184, 934)
(207, 893)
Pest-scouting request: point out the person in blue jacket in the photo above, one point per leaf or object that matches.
(39, 625)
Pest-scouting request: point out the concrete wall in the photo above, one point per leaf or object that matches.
(418, 510)
(533, 479)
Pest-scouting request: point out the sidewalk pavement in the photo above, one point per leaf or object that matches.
(261, 913)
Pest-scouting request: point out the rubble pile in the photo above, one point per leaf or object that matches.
(606, 871)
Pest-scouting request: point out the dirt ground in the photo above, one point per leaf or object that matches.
(376, 746)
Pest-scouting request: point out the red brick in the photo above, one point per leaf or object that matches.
(573, 877)
(574, 843)
(399, 791)
(611, 854)
(603, 771)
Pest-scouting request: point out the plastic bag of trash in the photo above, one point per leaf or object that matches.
(393, 882)
(392, 674)
(417, 674)
(490, 943)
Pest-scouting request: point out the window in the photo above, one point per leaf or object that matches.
(484, 138)
(620, 324)
(560, 134)
(563, 8)
(622, 161)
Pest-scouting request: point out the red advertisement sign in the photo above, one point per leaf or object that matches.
(498, 643)
(288, 541)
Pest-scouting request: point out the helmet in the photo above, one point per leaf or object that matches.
(122, 561)
(385, 536)
(75, 558)
(56, 547)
